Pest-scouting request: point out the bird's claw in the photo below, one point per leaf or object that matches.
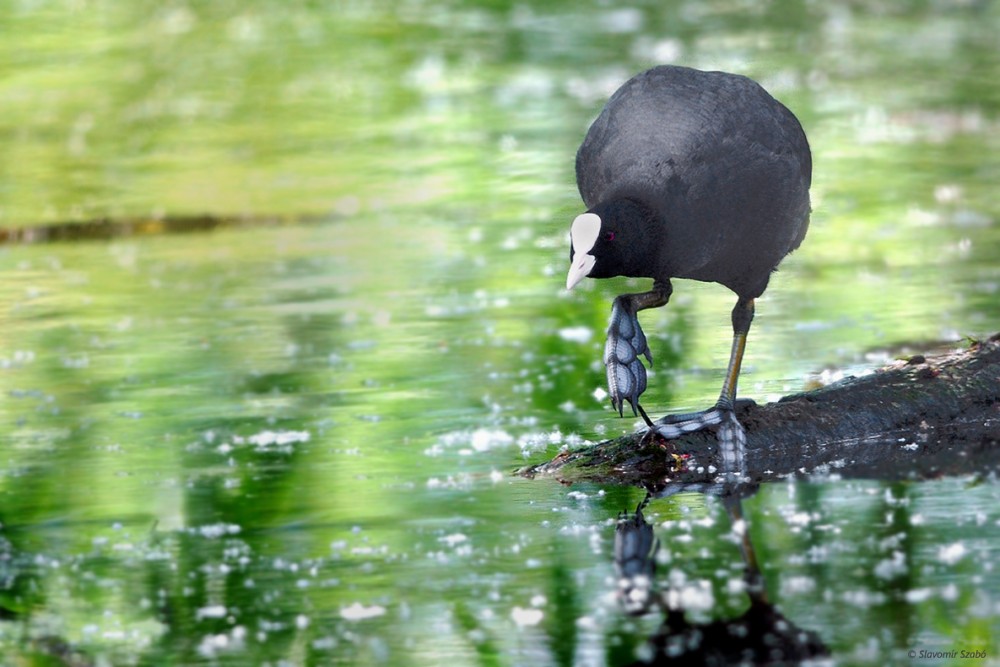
(729, 433)
(626, 342)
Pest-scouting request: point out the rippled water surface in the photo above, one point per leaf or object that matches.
(289, 439)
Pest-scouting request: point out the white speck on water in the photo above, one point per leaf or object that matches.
(917, 595)
(211, 645)
(301, 621)
(662, 51)
(79, 361)
(623, 20)
(481, 440)
(453, 539)
(947, 193)
(797, 585)
(578, 334)
(800, 519)
(436, 310)
(952, 553)
(496, 476)
(646, 653)
(211, 611)
(949, 593)
(526, 617)
(539, 600)
(285, 439)
(530, 442)
(325, 643)
(863, 598)
(216, 530)
(484, 439)
(600, 394)
(892, 567)
(695, 596)
(359, 612)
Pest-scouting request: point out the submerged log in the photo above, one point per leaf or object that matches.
(922, 417)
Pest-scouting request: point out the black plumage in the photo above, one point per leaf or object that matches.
(687, 174)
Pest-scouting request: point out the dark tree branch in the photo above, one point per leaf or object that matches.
(917, 418)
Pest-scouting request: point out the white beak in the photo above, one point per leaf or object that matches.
(579, 269)
(583, 235)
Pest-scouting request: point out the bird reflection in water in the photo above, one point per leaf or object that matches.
(761, 635)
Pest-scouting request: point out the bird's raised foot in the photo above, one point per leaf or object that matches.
(626, 342)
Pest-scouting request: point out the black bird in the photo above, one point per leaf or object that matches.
(687, 174)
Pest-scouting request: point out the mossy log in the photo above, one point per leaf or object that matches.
(922, 417)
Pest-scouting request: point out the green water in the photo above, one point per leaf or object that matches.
(292, 444)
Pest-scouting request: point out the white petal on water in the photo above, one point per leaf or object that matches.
(797, 585)
(484, 439)
(576, 334)
(952, 553)
(359, 612)
(211, 611)
(892, 567)
(917, 595)
(268, 438)
(453, 539)
(526, 617)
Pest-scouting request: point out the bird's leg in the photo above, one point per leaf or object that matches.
(742, 317)
(626, 342)
(673, 426)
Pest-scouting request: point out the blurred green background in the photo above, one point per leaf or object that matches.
(292, 443)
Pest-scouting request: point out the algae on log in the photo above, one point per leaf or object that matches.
(918, 418)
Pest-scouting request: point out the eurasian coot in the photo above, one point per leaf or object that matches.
(687, 174)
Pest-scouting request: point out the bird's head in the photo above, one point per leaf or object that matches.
(610, 240)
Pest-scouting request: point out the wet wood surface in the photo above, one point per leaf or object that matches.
(921, 417)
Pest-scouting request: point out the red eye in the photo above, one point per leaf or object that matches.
(609, 236)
